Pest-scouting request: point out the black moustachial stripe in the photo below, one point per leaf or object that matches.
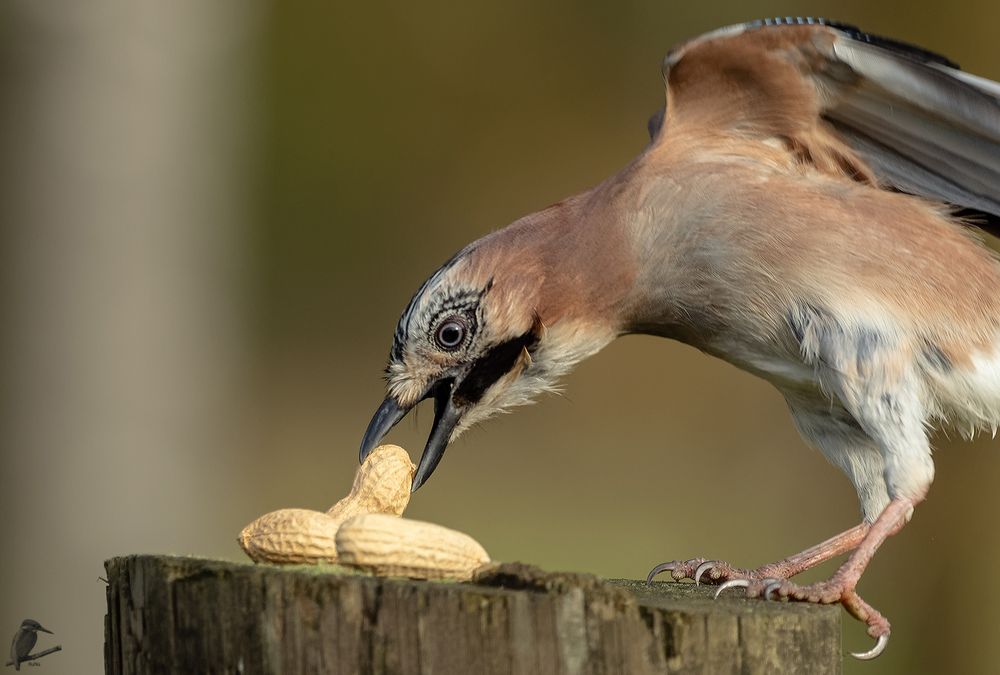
(493, 365)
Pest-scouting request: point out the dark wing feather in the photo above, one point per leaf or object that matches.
(921, 125)
(924, 127)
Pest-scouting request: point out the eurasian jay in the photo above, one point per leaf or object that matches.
(806, 210)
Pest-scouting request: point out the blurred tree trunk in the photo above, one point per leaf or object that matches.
(124, 129)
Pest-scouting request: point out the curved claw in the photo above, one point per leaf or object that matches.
(662, 567)
(702, 568)
(732, 583)
(879, 647)
(770, 587)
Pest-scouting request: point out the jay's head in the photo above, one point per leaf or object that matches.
(467, 340)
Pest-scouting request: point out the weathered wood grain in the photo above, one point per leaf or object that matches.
(184, 615)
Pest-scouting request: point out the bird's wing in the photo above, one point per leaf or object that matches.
(864, 106)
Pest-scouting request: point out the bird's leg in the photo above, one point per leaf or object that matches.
(717, 571)
(890, 521)
(840, 587)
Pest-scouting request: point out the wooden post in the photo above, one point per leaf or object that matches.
(184, 615)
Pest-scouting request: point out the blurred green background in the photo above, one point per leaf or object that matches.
(212, 214)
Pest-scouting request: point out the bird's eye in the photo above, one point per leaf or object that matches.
(451, 334)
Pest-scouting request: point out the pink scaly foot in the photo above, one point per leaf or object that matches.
(828, 592)
(841, 586)
(719, 572)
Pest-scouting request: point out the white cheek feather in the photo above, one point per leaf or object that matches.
(560, 348)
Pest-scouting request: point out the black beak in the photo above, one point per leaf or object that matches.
(386, 417)
(446, 417)
(46, 630)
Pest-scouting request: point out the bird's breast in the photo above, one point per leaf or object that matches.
(785, 370)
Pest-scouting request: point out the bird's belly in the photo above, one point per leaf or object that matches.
(967, 397)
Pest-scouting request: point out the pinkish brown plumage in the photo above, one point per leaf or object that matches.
(795, 215)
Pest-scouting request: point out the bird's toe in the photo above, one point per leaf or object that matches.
(701, 570)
